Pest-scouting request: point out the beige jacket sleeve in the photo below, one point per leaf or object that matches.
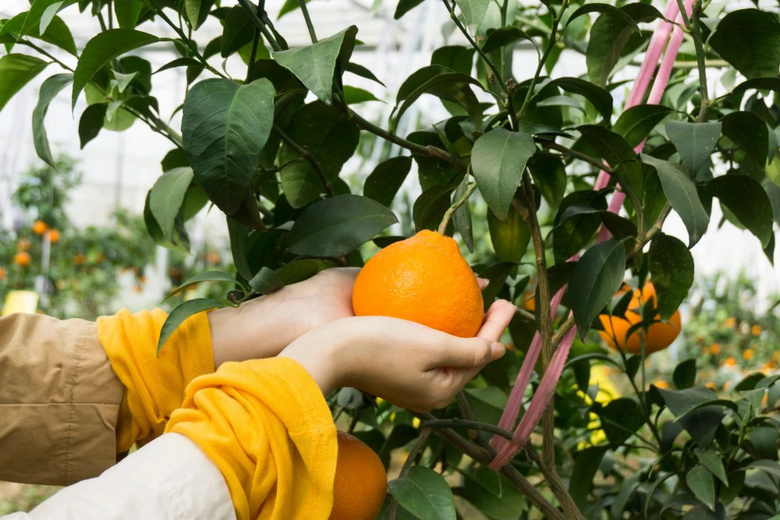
(59, 401)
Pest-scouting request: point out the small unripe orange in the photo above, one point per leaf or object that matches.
(39, 227)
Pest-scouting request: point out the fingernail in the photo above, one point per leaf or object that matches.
(497, 350)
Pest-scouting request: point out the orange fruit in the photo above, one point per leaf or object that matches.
(657, 336)
(3, 273)
(39, 227)
(361, 482)
(22, 258)
(54, 236)
(529, 300)
(422, 279)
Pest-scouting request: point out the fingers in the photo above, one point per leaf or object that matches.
(483, 283)
(497, 320)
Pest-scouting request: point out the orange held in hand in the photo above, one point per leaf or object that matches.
(22, 259)
(422, 279)
(39, 227)
(657, 336)
(361, 482)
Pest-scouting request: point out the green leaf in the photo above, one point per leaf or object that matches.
(612, 147)
(183, 311)
(300, 270)
(695, 142)
(237, 32)
(239, 236)
(549, 175)
(684, 375)
(747, 200)
(330, 139)
(620, 419)
(424, 493)
(360, 70)
(206, 276)
(491, 493)
(510, 239)
(224, 127)
(749, 39)
(576, 222)
(461, 219)
(609, 35)
(672, 269)
(682, 195)
(338, 225)
(498, 160)
(503, 36)
(712, 460)
(197, 11)
(16, 70)
(430, 207)
(596, 278)
(455, 58)
(386, 179)
(764, 439)
(757, 84)
(600, 97)
(404, 6)
(128, 12)
(449, 86)
(49, 90)
(167, 196)
(354, 95)
(682, 402)
(586, 463)
(103, 48)
(750, 133)
(700, 480)
(91, 122)
(473, 10)
(266, 281)
(636, 123)
(315, 64)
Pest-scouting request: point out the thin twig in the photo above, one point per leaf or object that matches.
(452, 209)
(250, 9)
(307, 18)
(306, 155)
(419, 446)
(471, 425)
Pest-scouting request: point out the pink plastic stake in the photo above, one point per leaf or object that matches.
(538, 403)
(507, 421)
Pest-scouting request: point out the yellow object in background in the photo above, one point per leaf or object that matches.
(20, 301)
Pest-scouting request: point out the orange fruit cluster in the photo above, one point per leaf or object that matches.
(422, 279)
(657, 336)
(360, 484)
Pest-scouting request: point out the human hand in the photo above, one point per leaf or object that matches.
(262, 327)
(405, 363)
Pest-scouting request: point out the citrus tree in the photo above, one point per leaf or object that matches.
(577, 185)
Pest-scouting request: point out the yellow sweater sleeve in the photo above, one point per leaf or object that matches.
(155, 385)
(267, 427)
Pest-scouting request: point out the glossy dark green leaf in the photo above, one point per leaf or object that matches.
(750, 133)
(747, 200)
(206, 276)
(684, 375)
(239, 236)
(549, 175)
(238, 31)
(503, 36)
(695, 142)
(300, 270)
(757, 84)
(430, 207)
(355, 96)
(764, 441)
(612, 147)
(749, 39)
(128, 12)
(608, 37)
(330, 139)
(596, 278)
(586, 463)
(461, 218)
(225, 125)
(424, 493)
(712, 460)
(455, 57)
(600, 97)
(492, 494)
(682, 402)
(266, 281)
(700, 481)
(315, 64)
(636, 123)
(449, 86)
(404, 6)
(496, 276)
(498, 160)
(49, 90)
(386, 179)
(167, 196)
(103, 48)
(338, 225)
(181, 312)
(577, 220)
(16, 70)
(672, 269)
(363, 72)
(682, 195)
(510, 238)
(181, 243)
(620, 419)
(197, 11)
(91, 122)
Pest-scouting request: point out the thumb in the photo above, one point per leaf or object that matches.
(469, 353)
